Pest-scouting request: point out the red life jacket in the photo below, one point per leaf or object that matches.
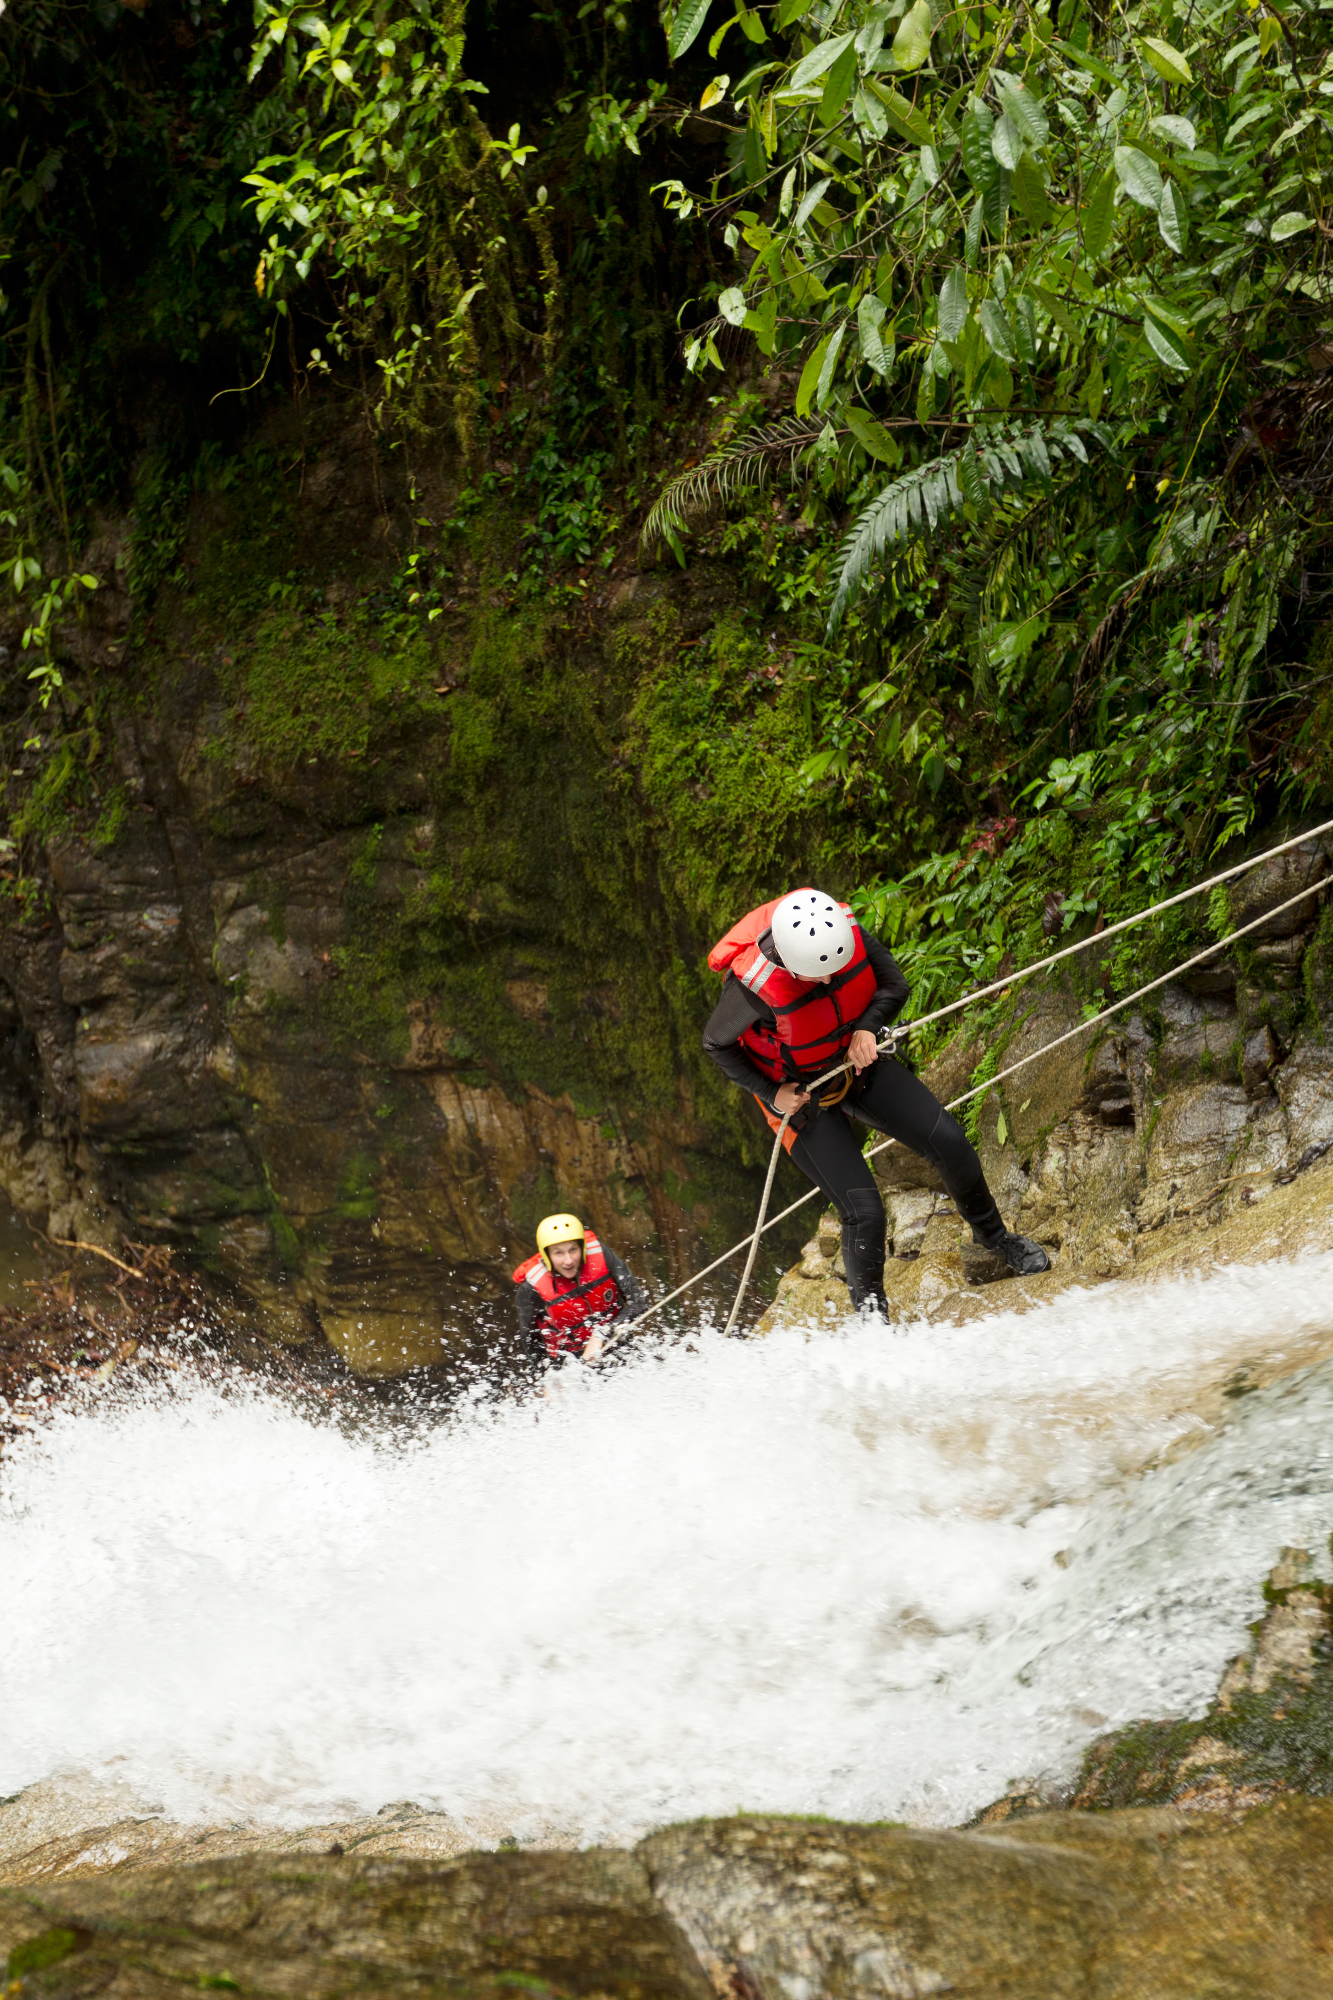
(813, 1023)
(572, 1307)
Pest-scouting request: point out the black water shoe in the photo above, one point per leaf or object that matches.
(1023, 1256)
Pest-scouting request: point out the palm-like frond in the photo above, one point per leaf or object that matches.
(745, 463)
(914, 505)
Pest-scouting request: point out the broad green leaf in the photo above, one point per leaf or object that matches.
(1264, 107)
(809, 202)
(870, 115)
(768, 125)
(1172, 218)
(1178, 131)
(1054, 307)
(972, 238)
(810, 68)
(1270, 34)
(978, 160)
(995, 203)
(904, 117)
(1239, 49)
(1166, 343)
(1022, 106)
(1006, 142)
(911, 44)
(996, 327)
(869, 320)
(829, 369)
(1170, 65)
(716, 39)
(805, 388)
(1098, 214)
(873, 437)
(1094, 390)
(952, 314)
(838, 87)
(998, 385)
(753, 154)
(792, 10)
(1093, 65)
(1139, 177)
(1290, 224)
(731, 305)
(752, 24)
(1029, 186)
(689, 19)
(1292, 132)
(342, 70)
(1025, 330)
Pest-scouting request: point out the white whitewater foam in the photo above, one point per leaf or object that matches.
(808, 1574)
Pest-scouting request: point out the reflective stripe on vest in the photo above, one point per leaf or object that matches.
(570, 1310)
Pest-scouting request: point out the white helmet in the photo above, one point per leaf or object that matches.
(813, 934)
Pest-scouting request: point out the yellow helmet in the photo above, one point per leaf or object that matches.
(558, 1229)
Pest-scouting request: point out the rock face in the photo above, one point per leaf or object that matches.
(1184, 1135)
(324, 1928)
(323, 976)
(1109, 1906)
(1117, 1906)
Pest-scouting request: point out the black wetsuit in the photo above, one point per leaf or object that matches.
(532, 1309)
(888, 1096)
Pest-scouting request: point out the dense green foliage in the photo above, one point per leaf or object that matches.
(1049, 292)
(1010, 328)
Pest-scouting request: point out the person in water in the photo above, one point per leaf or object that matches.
(805, 987)
(572, 1290)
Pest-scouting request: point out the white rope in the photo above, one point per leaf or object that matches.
(763, 1225)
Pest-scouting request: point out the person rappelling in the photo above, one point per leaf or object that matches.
(572, 1290)
(805, 986)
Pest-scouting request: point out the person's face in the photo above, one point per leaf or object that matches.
(566, 1258)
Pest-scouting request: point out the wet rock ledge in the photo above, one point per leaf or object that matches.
(1118, 1905)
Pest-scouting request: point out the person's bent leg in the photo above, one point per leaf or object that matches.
(829, 1151)
(896, 1101)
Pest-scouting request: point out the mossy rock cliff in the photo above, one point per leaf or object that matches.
(356, 941)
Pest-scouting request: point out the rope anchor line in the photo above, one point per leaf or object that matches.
(889, 1042)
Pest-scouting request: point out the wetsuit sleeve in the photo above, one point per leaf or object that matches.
(633, 1297)
(530, 1317)
(891, 988)
(733, 1014)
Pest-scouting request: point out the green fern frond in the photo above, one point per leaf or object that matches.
(914, 505)
(745, 463)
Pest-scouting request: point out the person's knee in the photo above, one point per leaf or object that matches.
(954, 1153)
(863, 1212)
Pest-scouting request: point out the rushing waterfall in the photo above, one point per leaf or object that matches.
(841, 1570)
